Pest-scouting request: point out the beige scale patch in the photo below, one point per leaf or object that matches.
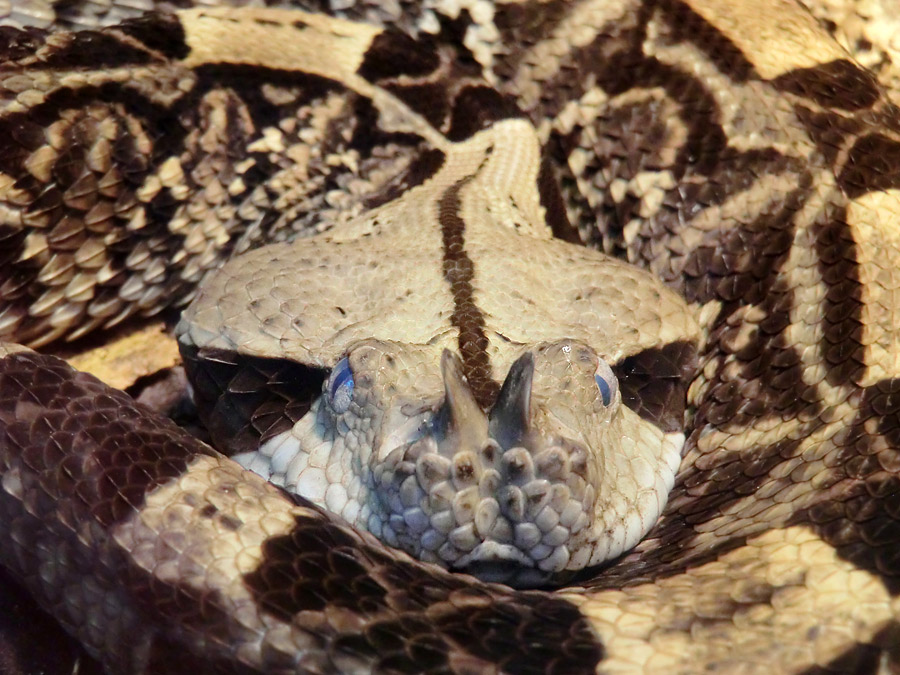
(780, 604)
(873, 219)
(206, 531)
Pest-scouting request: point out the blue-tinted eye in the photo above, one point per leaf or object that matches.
(340, 386)
(605, 391)
(607, 383)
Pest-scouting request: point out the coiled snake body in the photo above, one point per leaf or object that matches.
(505, 404)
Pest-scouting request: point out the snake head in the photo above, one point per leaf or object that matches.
(556, 475)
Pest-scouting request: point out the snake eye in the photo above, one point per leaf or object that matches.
(340, 386)
(607, 383)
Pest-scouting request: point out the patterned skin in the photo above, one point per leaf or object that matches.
(746, 162)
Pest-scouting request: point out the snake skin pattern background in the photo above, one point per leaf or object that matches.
(736, 151)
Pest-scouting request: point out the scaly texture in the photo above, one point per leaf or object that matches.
(736, 152)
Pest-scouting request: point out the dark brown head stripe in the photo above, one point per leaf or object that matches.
(839, 84)
(319, 567)
(80, 437)
(554, 204)
(459, 272)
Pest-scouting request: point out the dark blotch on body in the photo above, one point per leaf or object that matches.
(393, 53)
(873, 163)
(861, 516)
(161, 32)
(654, 383)
(95, 50)
(868, 658)
(478, 107)
(244, 401)
(689, 26)
(840, 84)
(418, 618)
(81, 437)
(842, 319)
(16, 44)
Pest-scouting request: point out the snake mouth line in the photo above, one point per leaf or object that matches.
(501, 563)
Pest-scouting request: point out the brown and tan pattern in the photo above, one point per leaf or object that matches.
(735, 151)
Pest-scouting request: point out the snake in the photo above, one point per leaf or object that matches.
(530, 336)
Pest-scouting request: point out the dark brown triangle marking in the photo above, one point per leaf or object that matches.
(459, 271)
